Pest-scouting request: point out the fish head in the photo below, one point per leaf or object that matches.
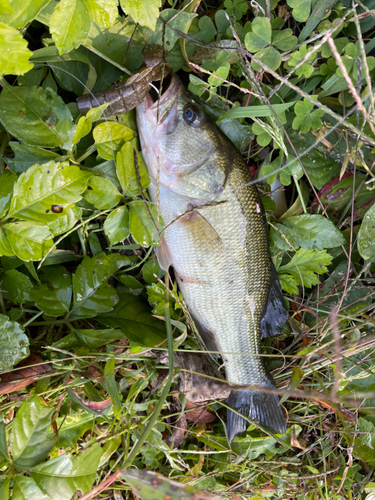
(184, 150)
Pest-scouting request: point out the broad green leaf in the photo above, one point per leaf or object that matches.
(301, 9)
(170, 20)
(25, 156)
(18, 286)
(103, 12)
(11, 42)
(5, 247)
(256, 111)
(314, 231)
(25, 488)
(319, 11)
(91, 293)
(67, 220)
(96, 338)
(133, 317)
(53, 296)
(61, 477)
(111, 386)
(144, 12)
(269, 56)
(284, 39)
(45, 192)
(36, 116)
(4, 490)
(260, 36)
(126, 170)
(29, 240)
(6, 190)
(143, 223)
(109, 138)
(150, 269)
(24, 11)
(83, 128)
(30, 442)
(4, 455)
(6, 7)
(73, 426)
(116, 226)
(69, 24)
(366, 235)
(102, 193)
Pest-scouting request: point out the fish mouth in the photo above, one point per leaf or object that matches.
(172, 86)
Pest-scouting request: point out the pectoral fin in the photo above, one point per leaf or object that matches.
(274, 313)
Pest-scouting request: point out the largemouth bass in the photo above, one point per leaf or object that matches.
(216, 240)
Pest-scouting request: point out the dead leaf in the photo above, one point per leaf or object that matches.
(32, 370)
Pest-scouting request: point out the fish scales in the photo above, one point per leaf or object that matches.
(216, 241)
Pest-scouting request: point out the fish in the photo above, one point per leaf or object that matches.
(215, 238)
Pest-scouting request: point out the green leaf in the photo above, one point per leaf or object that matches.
(305, 266)
(73, 426)
(30, 443)
(256, 111)
(25, 488)
(91, 293)
(116, 226)
(6, 190)
(96, 338)
(150, 269)
(306, 118)
(25, 156)
(269, 56)
(127, 173)
(366, 235)
(14, 343)
(134, 319)
(143, 223)
(67, 220)
(102, 193)
(109, 138)
(29, 240)
(319, 11)
(61, 477)
(24, 11)
(36, 116)
(144, 12)
(111, 386)
(5, 248)
(4, 455)
(284, 39)
(314, 231)
(301, 9)
(4, 488)
(260, 36)
(53, 296)
(103, 12)
(69, 24)
(11, 42)
(17, 285)
(45, 192)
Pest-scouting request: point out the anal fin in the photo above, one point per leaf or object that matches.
(163, 255)
(274, 314)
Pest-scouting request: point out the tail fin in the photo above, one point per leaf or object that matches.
(260, 407)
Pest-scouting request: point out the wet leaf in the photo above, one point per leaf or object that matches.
(28, 240)
(69, 24)
(30, 442)
(116, 225)
(6, 190)
(11, 42)
(42, 188)
(14, 343)
(18, 286)
(53, 296)
(102, 193)
(37, 117)
(25, 488)
(366, 235)
(143, 223)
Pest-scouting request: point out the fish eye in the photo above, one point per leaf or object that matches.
(192, 116)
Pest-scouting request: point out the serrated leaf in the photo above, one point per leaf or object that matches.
(14, 343)
(116, 226)
(29, 240)
(11, 42)
(53, 296)
(366, 235)
(127, 173)
(144, 12)
(70, 24)
(102, 193)
(18, 286)
(109, 138)
(6, 190)
(24, 11)
(64, 475)
(36, 116)
(30, 443)
(143, 223)
(133, 317)
(45, 192)
(91, 293)
(301, 9)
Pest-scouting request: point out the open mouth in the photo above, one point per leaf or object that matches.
(162, 92)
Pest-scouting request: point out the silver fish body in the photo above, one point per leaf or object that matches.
(216, 241)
